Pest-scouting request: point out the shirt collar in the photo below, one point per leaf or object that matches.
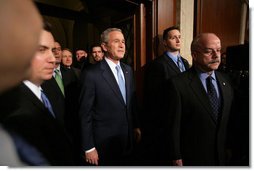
(34, 88)
(172, 56)
(111, 64)
(204, 75)
(58, 68)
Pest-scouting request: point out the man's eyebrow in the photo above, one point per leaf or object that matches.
(44, 46)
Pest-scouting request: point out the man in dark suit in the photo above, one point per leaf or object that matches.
(154, 119)
(199, 107)
(54, 91)
(63, 92)
(34, 119)
(14, 67)
(108, 116)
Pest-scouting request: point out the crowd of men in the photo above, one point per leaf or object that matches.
(55, 112)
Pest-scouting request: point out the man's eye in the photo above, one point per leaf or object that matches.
(42, 49)
(209, 51)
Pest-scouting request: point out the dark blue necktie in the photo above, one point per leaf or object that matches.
(47, 104)
(121, 82)
(212, 94)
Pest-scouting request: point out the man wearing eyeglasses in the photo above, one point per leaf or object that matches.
(199, 106)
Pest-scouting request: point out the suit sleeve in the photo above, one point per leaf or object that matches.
(154, 79)
(174, 115)
(86, 100)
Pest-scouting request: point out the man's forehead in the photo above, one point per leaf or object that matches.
(57, 44)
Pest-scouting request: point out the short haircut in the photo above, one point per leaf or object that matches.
(47, 26)
(104, 35)
(165, 32)
(95, 45)
(67, 50)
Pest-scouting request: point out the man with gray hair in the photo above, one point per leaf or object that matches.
(107, 106)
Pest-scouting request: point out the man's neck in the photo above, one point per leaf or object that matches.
(174, 52)
(113, 60)
(56, 66)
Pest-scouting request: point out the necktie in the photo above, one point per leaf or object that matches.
(180, 64)
(214, 101)
(46, 103)
(121, 83)
(59, 80)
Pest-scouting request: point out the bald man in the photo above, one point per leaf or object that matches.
(199, 107)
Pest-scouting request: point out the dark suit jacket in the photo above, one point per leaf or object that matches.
(154, 119)
(65, 107)
(53, 92)
(156, 75)
(106, 122)
(195, 135)
(33, 122)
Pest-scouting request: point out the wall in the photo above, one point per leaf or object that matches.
(222, 18)
(186, 18)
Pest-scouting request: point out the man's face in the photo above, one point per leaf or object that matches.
(67, 58)
(115, 47)
(80, 54)
(16, 18)
(44, 59)
(173, 42)
(207, 56)
(57, 52)
(97, 53)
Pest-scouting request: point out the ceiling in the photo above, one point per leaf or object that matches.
(91, 8)
(75, 5)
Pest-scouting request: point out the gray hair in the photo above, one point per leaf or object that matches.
(104, 34)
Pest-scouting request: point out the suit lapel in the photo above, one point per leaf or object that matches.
(171, 63)
(27, 93)
(200, 92)
(224, 93)
(110, 80)
(185, 63)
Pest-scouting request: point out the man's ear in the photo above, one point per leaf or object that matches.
(164, 43)
(104, 47)
(194, 56)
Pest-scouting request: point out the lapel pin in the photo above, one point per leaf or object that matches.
(224, 83)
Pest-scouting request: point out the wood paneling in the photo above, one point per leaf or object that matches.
(221, 18)
(166, 18)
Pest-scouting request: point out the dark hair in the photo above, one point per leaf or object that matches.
(47, 26)
(165, 32)
(95, 45)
